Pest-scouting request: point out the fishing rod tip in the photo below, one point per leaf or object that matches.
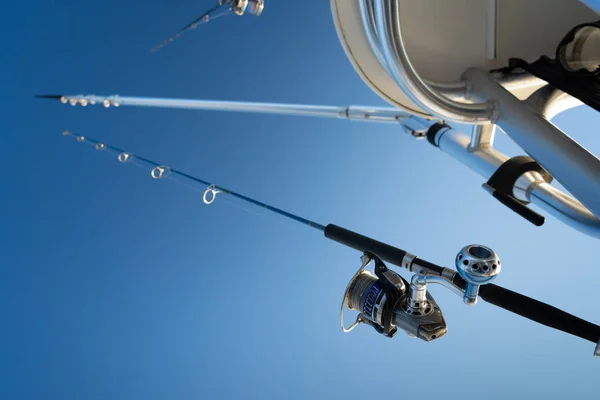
(48, 96)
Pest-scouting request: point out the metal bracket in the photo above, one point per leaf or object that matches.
(482, 136)
(407, 261)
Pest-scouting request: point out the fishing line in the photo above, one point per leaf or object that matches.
(126, 157)
(130, 158)
(159, 171)
(238, 206)
(385, 300)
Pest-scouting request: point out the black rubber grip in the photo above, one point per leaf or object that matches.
(519, 208)
(362, 243)
(433, 131)
(535, 310)
(539, 312)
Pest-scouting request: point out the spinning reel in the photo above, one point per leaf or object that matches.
(387, 302)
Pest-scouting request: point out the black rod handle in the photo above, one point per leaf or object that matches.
(535, 310)
(386, 252)
(539, 312)
(362, 243)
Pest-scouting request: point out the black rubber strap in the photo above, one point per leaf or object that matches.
(433, 130)
(519, 208)
(507, 174)
(501, 185)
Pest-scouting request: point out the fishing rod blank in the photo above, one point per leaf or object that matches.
(385, 300)
(409, 121)
(159, 171)
(225, 7)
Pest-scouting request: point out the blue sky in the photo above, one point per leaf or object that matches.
(117, 286)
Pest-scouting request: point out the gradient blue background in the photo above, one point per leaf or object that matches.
(115, 286)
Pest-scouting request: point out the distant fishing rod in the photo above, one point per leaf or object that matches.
(384, 299)
(225, 7)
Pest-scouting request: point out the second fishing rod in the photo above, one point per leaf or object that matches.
(384, 299)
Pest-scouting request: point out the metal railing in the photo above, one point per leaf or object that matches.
(381, 21)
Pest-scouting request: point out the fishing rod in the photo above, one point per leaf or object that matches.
(225, 7)
(516, 182)
(384, 299)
